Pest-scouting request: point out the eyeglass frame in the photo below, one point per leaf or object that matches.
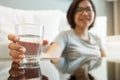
(79, 10)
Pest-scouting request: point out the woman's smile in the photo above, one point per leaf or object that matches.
(85, 20)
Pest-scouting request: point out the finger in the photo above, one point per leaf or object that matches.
(16, 47)
(17, 55)
(45, 42)
(13, 37)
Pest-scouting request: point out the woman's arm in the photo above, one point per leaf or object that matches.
(55, 51)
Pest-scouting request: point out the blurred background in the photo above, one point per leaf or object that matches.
(108, 8)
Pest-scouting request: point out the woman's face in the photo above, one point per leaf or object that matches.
(84, 14)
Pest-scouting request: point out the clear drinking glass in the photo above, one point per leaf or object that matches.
(31, 37)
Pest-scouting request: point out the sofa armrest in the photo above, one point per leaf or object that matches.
(113, 46)
(4, 51)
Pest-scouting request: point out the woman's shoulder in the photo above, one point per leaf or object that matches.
(94, 35)
(63, 33)
(66, 31)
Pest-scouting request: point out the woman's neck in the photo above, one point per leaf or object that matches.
(82, 32)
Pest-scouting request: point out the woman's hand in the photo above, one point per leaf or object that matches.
(103, 53)
(17, 51)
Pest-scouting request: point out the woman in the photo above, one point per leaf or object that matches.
(77, 48)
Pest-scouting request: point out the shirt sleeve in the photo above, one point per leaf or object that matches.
(61, 39)
(100, 43)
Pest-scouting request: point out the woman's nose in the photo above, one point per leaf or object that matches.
(84, 12)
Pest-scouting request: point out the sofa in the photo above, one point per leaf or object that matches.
(54, 22)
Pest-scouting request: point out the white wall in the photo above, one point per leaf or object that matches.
(37, 4)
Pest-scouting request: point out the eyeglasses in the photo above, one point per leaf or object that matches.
(79, 10)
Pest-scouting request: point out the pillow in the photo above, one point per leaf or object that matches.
(63, 22)
(6, 29)
(50, 20)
